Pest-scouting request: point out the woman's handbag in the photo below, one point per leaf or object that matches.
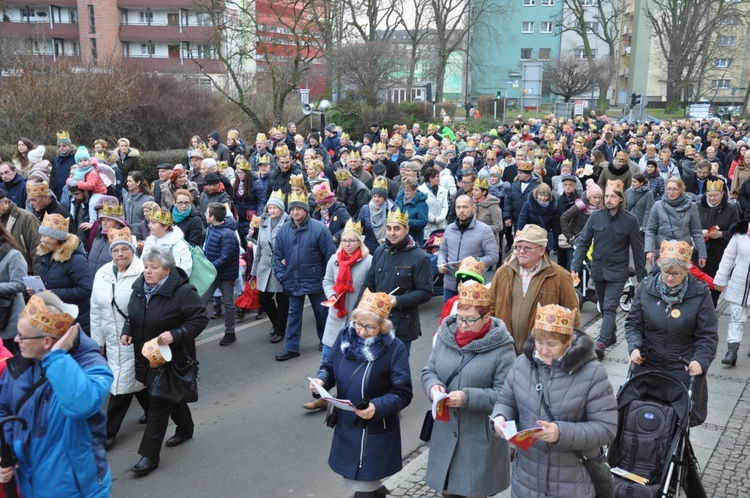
(203, 273)
(332, 412)
(250, 298)
(177, 383)
(6, 310)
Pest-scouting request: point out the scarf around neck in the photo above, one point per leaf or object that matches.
(344, 281)
(377, 220)
(79, 174)
(355, 348)
(179, 217)
(672, 295)
(465, 338)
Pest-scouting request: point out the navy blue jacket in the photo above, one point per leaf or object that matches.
(533, 213)
(61, 172)
(222, 249)
(305, 250)
(338, 216)
(418, 214)
(16, 190)
(516, 199)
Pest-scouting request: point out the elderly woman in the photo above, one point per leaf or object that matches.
(672, 317)
(488, 207)
(733, 278)
(370, 366)
(541, 209)
(63, 267)
(575, 407)
(437, 201)
(414, 203)
(113, 286)
(142, 230)
(674, 217)
(110, 218)
(268, 287)
(169, 310)
(373, 214)
(187, 218)
(137, 194)
(178, 179)
(13, 269)
(463, 460)
(165, 234)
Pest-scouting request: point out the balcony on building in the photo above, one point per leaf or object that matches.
(172, 57)
(40, 21)
(165, 25)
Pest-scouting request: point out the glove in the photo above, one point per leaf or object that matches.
(72, 182)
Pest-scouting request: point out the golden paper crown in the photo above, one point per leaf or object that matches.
(102, 155)
(261, 137)
(264, 159)
(523, 165)
(677, 249)
(122, 235)
(112, 209)
(55, 222)
(380, 182)
(299, 198)
(282, 129)
(409, 146)
(278, 194)
(472, 267)
(36, 190)
(63, 135)
(568, 162)
(615, 185)
(394, 142)
(233, 134)
(255, 221)
(322, 192)
(396, 216)
(161, 216)
(40, 317)
(282, 151)
(316, 164)
(354, 227)
(343, 174)
(473, 294)
(220, 165)
(375, 302)
(482, 183)
(471, 142)
(554, 318)
(345, 135)
(353, 154)
(297, 181)
(714, 186)
(380, 146)
(689, 148)
(244, 165)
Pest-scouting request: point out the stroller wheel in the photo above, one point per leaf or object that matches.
(626, 302)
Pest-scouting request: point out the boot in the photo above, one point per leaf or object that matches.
(239, 315)
(731, 356)
(216, 313)
(316, 404)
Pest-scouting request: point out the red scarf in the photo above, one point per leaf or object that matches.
(464, 338)
(344, 281)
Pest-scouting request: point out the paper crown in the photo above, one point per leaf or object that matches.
(482, 183)
(264, 159)
(615, 185)
(63, 135)
(36, 190)
(471, 267)
(345, 136)
(354, 227)
(473, 294)
(554, 318)
(524, 166)
(261, 137)
(220, 165)
(375, 302)
(123, 236)
(322, 192)
(409, 146)
(161, 216)
(233, 135)
(471, 143)
(379, 146)
(112, 209)
(711, 186)
(353, 154)
(282, 129)
(343, 174)
(297, 181)
(394, 142)
(316, 165)
(244, 165)
(380, 183)
(676, 249)
(54, 224)
(278, 194)
(255, 221)
(49, 322)
(567, 162)
(298, 200)
(282, 151)
(396, 216)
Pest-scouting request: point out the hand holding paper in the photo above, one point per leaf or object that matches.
(343, 404)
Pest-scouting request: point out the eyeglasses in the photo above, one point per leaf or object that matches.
(183, 203)
(369, 328)
(21, 338)
(349, 241)
(673, 274)
(673, 189)
(523, 248)
(467, 321)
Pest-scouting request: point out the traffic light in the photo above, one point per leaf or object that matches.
(635, 99)
(499, 96)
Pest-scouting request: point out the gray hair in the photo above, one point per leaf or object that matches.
(208, 164)
(667, 263)
(160, 254)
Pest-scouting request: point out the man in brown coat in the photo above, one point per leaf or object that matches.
(529, 279)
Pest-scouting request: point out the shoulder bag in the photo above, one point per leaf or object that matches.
(177, 383)
(426, 433)
(332, 412)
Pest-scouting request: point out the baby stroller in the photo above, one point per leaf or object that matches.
(585, 288)
(432, 247)
(651, 456)
(628, 292)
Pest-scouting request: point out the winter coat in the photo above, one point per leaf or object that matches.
(374, 452)
(674, 223)
(206, 198)
(354, 197)
(192, 228)
(278, 180)
(655, 184)
(734, 268)
(334, 324)
(133, 206)
(418, 212)
(24, 227)
(222, 152)
(264, 248)
(490, 213)
(223, 250)
(132, 162)
(99, 253)
(724, 216)
(463, 450)
(365, 216)
(533, 213)
(437, 209)
(663, 338)
(337, 218)
(516, 198)
(247, 205)
(175, 241)
(16, 190)
(581, 399)
(741, 174)
(66, 273)
(613, 236)
(107, 322)
(175, 306)
(61, 172)
(305, 251)
(12, 270)
(622, 173)
(574, 219)
(639, 202)
(61, 453)
(477, 240)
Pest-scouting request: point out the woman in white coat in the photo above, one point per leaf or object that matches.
(110, 296)
(165, 234)
(437, 201)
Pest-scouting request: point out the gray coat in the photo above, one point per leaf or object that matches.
(465, 448)
(334, 324)
(581, 399)
(263, 260)
(13, 268)
(133, 206)
(639, 202)
(477, 240)
(681, 223)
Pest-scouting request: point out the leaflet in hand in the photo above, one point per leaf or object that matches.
(439, 410)
(521, 439)
(329, 303)
(34, 283)
(343, 404)
(629, 475)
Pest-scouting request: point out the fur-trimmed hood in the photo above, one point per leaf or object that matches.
(65, 252)
(580, 352)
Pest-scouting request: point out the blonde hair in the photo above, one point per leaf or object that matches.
(385, 324)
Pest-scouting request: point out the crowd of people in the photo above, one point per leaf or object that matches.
(368, 230)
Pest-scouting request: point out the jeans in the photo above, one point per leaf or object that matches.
(227, 295)
(294, 323)
(447, 294)
(608, 294)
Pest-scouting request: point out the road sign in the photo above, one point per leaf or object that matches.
(515, 84)
(509, 82)
(578, 108)
(304, 95)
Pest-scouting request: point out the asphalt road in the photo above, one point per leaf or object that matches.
(252, 437)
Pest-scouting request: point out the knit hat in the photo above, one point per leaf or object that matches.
(122, 236)
(53, 225)
(299, 201)
(215, 135)
(82, 153)
(592, 189)
(316, 136)
(379, 168)
(36, 155)
(211, 178)
(380, 187)
(276, 199)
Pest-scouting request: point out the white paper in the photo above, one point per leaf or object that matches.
(343, 404)
(34, 283)
(438, 397)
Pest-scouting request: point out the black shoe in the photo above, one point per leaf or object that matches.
(260, 315)
(143, 419)
(177, 440)
(286, 355)
(599, 350)
(110, 441)
(239, 315)
(273, 330)
(144, 466)
(216, 313)
(276, 338)
(228, 339)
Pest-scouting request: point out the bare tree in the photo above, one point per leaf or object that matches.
(367, 68)
(687, 34)
(416, 25)
(373, 19)
(567, 76)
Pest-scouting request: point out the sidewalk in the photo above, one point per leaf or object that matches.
(725, 467)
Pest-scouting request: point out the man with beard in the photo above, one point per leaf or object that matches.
(621, 169)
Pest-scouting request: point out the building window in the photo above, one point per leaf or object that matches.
(729, 21)
(148, 47)
(548, 3)
(726, 41)
(592, 27)
(588, 3)
(73, 16)
(545, 27)
(92, 22)
(529, 3)
(204, 51)
(145, 17)
(725, 62)
(721, 84)
(93, 48)
(526, 54)
(545, 54)
(527, 27)
(580, 53)
(203, 19)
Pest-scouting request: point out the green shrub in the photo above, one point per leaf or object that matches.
(150, 160)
